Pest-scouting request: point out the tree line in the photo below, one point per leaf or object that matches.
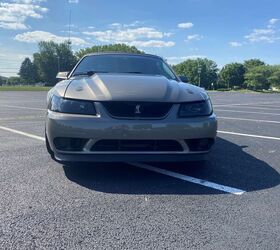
(253, 74)
(51, 58)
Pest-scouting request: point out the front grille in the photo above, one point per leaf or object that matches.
(137, 145)
(137, 109)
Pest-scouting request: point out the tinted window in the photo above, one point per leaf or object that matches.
(125, 64)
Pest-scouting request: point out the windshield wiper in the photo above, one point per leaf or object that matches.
(88, 73)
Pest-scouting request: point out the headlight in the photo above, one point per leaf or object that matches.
(192, 109)
(59, 104)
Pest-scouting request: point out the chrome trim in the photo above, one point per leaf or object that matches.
(89, 145)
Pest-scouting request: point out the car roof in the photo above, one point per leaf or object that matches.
(123, 53)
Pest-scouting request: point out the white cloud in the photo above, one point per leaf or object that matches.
(14, 12)
(178, 59)
(13, 26)
(263, 35)
(140, 36)
(71, 32)
(269, 35)
(235, 44)
(37, 36)
(185, 25)
(10, 61)
(194, 37)
(152, 43)
(73, 1)
(273, 21)
(133, 24)
(168, 34)
(115, 25)
(122, 26)
(28, 1)
(125, 35)
(195, 56)
(13, 15)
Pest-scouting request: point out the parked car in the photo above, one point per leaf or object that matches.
(127, 107)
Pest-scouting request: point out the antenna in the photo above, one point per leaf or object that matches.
(69, 31)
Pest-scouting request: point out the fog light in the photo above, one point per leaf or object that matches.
(200, 144)
(69, 144)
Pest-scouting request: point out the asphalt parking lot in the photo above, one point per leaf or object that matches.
(230, 202)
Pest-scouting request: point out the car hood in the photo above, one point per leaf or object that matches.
(132, 87)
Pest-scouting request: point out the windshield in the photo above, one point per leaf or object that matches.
(124, 64)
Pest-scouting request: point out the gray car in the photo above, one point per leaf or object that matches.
(127, 107)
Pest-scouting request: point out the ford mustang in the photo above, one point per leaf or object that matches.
(127, 107)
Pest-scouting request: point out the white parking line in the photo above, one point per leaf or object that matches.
(245, 119)
(209, 184)
(22, 107)
(246, 112)
(267, 106)
(23, 133)
(198, 181)
(158, 170)
(256, 107)
(244, 104)
(22, 117)
(219, 131)
(249, 135)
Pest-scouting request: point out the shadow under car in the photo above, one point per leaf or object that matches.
(227, 164)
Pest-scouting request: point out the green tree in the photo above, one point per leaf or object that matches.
(108, 48)
(198, 70)
(28, 72)
(274, 79)
(232, 74)
(248, 64)
(3, 80)
(52, 58)
(14, 80)
(256, 78)
(66, 58)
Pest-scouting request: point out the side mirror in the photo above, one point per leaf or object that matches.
(62, 75)
(184, 79)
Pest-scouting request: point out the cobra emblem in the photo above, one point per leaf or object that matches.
(137, 109)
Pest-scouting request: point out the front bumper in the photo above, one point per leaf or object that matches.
(104, 127)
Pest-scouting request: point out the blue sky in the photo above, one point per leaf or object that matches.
(222, 30)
